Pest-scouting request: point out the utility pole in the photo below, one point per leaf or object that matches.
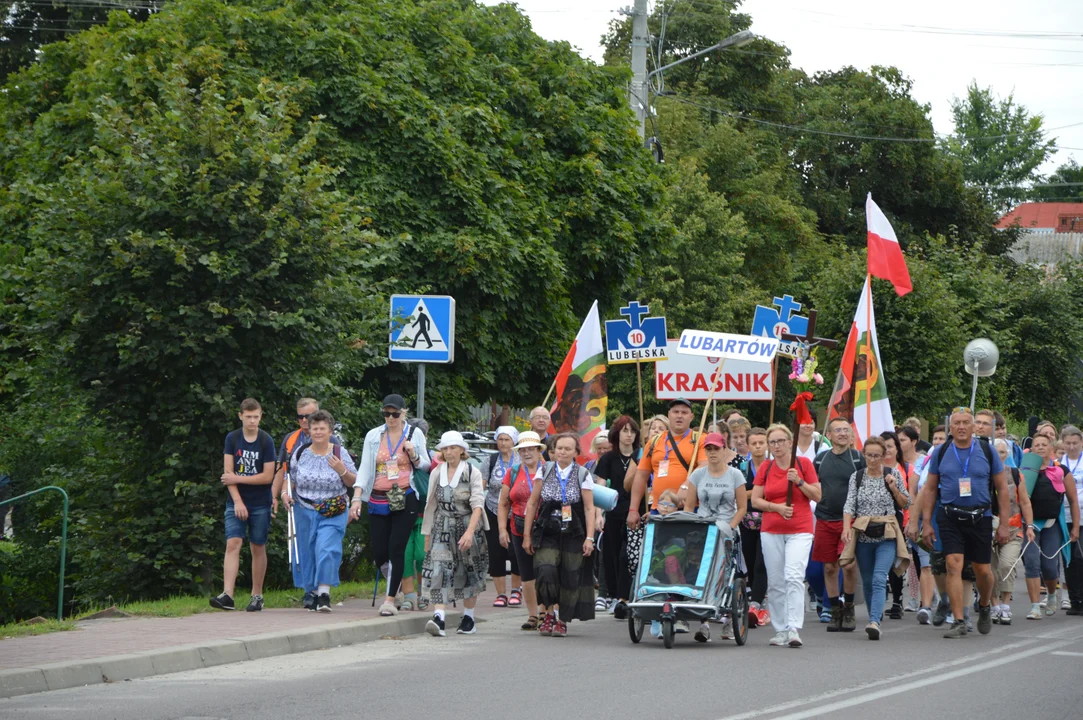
(637, 95)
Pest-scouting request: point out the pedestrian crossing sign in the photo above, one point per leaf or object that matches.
(422, 329)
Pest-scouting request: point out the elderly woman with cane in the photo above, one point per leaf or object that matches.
(321, 473)
(454, 527)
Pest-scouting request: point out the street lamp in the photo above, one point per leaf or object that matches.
(980, 360)
(733, 41)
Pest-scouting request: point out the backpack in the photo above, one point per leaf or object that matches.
(987, 448)
(853, 461)
(676, 448)
(335, 448)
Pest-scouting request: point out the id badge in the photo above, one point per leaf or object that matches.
(393, 469)
(964, 487)
(663, 469)
(566, 514)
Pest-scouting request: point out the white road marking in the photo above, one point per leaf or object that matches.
(894, 680)
(1068, 654)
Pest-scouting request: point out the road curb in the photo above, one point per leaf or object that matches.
(117, 668)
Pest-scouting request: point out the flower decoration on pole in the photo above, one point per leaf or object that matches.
(803, 372)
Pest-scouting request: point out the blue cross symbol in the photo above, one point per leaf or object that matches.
(635, 312)
(787, 306)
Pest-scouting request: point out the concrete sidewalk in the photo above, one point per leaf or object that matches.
(112, 650)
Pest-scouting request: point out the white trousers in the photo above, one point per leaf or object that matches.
(786, 558)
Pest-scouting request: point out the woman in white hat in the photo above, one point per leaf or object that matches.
(455, 554)
(514, 495)
(494, 469)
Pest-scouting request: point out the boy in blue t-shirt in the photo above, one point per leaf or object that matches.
(248, 470)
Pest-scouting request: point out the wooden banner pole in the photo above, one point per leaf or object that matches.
(639, 384)
(706, 409)
(774, 385)
(545, 402)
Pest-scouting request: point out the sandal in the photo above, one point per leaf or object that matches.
(516, 598)
(530, 624)
(422, 604)
(388, 610)
(407, 606)
(501, 601)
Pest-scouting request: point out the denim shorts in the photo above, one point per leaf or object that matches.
(255, 528)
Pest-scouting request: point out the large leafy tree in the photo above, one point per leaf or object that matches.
(1000, 144)
(1065, 184)
(216, 203)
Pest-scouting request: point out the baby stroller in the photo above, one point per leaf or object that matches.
(688, 570)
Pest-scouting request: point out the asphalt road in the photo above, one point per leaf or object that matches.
(1030, 669)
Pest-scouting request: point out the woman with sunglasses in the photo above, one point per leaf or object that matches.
(784, 493)
(876, 493)
(391, 454)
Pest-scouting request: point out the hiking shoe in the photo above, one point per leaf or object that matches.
(873, 631)
(793, 639)
(547, 623)
(309, 603)
(467, 626)
(435, 627)
(780, 639)
(958, 630)
(895, 613)
(704, 633)
(985, 619)
(560, 629)
(835, 621)
(943, 609)
(255, 604)
(925, 616)
(223, 602)
(323, 603)
(849, 619)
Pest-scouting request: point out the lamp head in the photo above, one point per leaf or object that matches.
(980, 357)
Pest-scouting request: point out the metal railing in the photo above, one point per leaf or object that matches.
(63, 540)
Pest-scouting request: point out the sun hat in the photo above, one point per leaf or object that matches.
(529, 439)
(508, 430)
(715, 439)
(452, 438)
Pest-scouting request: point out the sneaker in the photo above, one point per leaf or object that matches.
(835, 623)
(912, 605)
(943, 609)
(996, 614)
(601, 604)
(704, 633)
(612, 609)
(1065, 603)
(309, 602)
(681, 626)
(255, 604)
(753, 617)
(560, 629)
(925, 616)
(966, 620)
(727, 629)
(1075, 610)
(985, 619)
(793, 639)
(435, 627)
(873, 631)
(656, 629)
(763, 617)
(620, 610)
(780, 639)
(323, 603)
(958, 630)
(1035, 612)
(466, 626)
(1005, 615)
(1051, 609)
(825, 615)
(849, 618)
(895, 613)
(549, 621)
(223, 602)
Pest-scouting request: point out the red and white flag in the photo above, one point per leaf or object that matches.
(886, 260)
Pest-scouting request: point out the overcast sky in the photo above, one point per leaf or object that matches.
(1034, 48)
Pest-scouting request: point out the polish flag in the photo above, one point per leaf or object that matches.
(886, 260)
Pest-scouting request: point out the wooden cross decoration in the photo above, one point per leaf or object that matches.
(810, 339)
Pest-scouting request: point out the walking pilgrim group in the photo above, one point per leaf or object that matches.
(956, 517)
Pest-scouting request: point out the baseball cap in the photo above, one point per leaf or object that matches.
(394, 401)
(681, 401)
(715, 439)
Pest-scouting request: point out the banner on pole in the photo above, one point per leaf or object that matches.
(729, 346)
(635, 339)
(689, 376)
(780, 318)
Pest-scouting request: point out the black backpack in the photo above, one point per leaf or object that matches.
(987, 448)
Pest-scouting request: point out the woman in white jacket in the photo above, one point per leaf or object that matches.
(385, 481)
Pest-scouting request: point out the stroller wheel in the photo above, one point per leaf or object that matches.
(667, 633)
(635, 627)
(740, 613)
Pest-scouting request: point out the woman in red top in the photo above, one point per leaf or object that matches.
(518, 484)
(786, 533)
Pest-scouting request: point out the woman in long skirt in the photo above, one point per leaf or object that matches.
(454, 527)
